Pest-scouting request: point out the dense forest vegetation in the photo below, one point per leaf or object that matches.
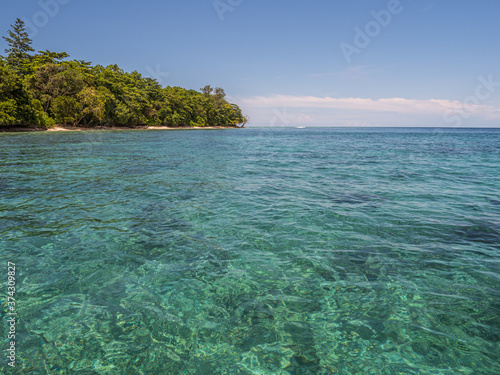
(47, 88)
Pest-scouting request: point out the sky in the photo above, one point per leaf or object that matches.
(432, 63)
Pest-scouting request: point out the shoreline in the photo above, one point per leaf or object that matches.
(59, 128)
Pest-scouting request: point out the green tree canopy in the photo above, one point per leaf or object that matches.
(19, 45)
(48, 88)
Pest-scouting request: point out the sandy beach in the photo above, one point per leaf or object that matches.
(59, 128)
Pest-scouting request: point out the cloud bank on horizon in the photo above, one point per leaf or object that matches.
(479, 109)
(287, 110)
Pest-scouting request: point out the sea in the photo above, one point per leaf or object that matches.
(250, 251)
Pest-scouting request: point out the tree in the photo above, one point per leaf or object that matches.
(219, 93)
(19, 46)
(207, 90)
(51, 81)
(66, 110)
(8, 86)
(93, 103)
(16, 105)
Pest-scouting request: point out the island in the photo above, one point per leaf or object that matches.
(48, 91)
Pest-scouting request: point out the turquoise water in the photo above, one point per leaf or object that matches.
(253, 251)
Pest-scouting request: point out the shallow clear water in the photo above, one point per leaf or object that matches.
(253, 251)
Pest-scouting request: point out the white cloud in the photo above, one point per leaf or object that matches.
(369, 112)
(399, 105)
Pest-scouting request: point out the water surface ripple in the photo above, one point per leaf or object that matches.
(255, 251)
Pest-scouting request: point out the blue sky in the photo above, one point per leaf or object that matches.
(416, 63)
